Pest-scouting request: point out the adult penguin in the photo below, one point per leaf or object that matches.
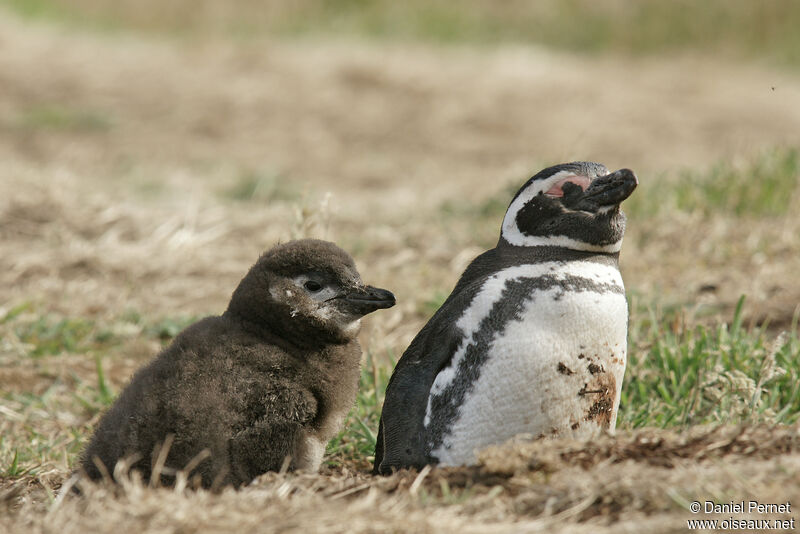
(532, 339)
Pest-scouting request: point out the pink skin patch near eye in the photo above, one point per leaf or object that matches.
(556, 191)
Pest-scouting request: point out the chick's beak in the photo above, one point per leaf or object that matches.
(367, 299)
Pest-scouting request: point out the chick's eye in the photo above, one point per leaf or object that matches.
(311, 285)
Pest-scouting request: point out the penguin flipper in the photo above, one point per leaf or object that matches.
(401, 431)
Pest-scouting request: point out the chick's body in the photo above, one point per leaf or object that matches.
(271, 378)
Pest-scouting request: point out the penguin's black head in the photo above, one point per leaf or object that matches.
(572, 205)
(307, 289)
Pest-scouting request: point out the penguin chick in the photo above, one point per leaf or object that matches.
(532, 339)
(271, 378)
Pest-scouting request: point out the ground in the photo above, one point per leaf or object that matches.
(143, 173)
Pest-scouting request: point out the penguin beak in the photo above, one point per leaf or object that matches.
(608, 190)
(367, 299)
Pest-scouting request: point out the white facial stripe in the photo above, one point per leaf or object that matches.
(492, 290)
(539, 186)
(511, 233)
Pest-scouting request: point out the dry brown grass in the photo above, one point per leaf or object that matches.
(117, 154)
(120, 159)
(631, 482)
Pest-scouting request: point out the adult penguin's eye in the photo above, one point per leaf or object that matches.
(312, 286)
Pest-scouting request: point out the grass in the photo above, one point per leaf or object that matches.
(430, 305)
(87, 230)
(167, 328)
(41, 440)
(356, 443)
(49, 335)
(678, 374)
(50, 428)
(764, 187)
(735, 27)
(677, 377)
(63, 118)
(259, 186)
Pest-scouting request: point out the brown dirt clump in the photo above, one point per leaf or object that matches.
(602, 390)
(655, 447)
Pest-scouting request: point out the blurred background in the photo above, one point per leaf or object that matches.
(150, 151)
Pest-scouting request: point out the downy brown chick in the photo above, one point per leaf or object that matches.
(271, 378)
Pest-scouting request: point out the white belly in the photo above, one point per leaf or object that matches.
(555, 369)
